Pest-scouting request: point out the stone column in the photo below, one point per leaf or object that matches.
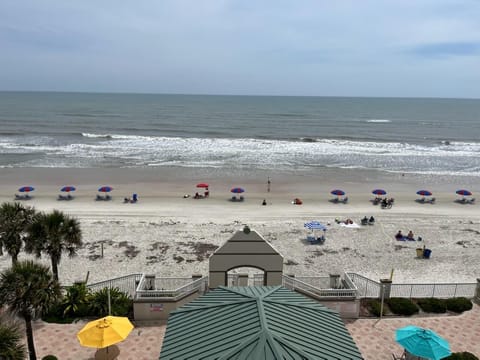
(385, 287)
(477, 292)
(334, 281)
(149, 283)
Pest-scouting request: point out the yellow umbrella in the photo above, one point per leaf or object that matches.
(105, 331)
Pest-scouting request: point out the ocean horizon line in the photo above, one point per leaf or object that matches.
(234, 95)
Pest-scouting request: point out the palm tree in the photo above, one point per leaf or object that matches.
(14, 221)
(52, 234)
(11, 345)
(28, 289)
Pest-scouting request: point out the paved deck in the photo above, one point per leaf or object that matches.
(375, 339)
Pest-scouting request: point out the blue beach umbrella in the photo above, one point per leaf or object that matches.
(379, 192)
(424, 193)
(337, 192)
(422, 342)
(68, 188)
(314, 225)
(464, 192)
(105, 189)
(237, 190)
(26, 189)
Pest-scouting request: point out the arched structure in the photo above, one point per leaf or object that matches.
(246, 248)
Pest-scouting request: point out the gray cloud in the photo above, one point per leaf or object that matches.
(241, 47)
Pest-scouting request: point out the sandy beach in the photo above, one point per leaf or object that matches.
(169, 235)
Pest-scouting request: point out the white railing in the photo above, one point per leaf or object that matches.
(433, 290)
(368, 288)
(185, 287)
(127, 284)
(293, 283)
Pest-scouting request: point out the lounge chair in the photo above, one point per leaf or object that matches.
(421, 201)
(100, 197)
(241, 198)
(108, 197)
(432, 200)
(22, 197)
(345, 200)
(471, 201)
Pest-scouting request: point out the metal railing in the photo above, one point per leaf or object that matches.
(127, 284)
(368, 288)
(293, 283)
(186, 286)
(433, 290)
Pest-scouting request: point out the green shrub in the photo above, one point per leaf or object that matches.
(462, 356)
(432, 305)
(49, 357)
(75, 300)
(401, 306)
(121, 303)
(56, 315)
(459, 305)
(374, 307)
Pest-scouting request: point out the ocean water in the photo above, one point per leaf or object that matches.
(427, 136)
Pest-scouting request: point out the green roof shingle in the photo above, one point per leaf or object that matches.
(264, 322)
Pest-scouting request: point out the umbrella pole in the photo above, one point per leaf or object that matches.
(109, 304)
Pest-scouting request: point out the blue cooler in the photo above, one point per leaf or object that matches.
(427, 253)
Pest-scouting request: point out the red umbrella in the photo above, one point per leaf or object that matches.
(202, 185)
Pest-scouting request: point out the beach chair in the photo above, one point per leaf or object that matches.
(345, 200)
(241, 198)
(471, 201)
(19, 197)
(99, 198)
(432, 201)
(61, 197)
(108, 197)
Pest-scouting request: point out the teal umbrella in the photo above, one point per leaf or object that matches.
(422, 342)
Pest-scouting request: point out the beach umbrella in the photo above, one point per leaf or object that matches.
(337, 192)
(424, 193)
(104, 332)
(105, 189)
(26, 189)
(202, 185)
(422, 342)
(314, 225)
(379, 192)
(237, 190)
(464, 192)
(68, 188)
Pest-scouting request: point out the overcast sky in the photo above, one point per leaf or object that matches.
(408, 48)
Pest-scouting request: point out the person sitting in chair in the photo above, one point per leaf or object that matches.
(371, 221)
(365, 221)
(264, 202)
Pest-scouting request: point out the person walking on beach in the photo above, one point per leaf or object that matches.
(268, 184)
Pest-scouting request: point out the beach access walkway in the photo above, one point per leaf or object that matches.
(375, 339)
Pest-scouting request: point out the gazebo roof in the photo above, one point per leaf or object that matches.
(265, 322)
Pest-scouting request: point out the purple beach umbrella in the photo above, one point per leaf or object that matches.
(26, 189)
(237, 190)
(68, 188)
(379, 192)
(464, 192)
(337, 192)
(424, 193)
(105, 189)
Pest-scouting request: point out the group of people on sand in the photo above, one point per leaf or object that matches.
(409, 237)
(368, 221)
